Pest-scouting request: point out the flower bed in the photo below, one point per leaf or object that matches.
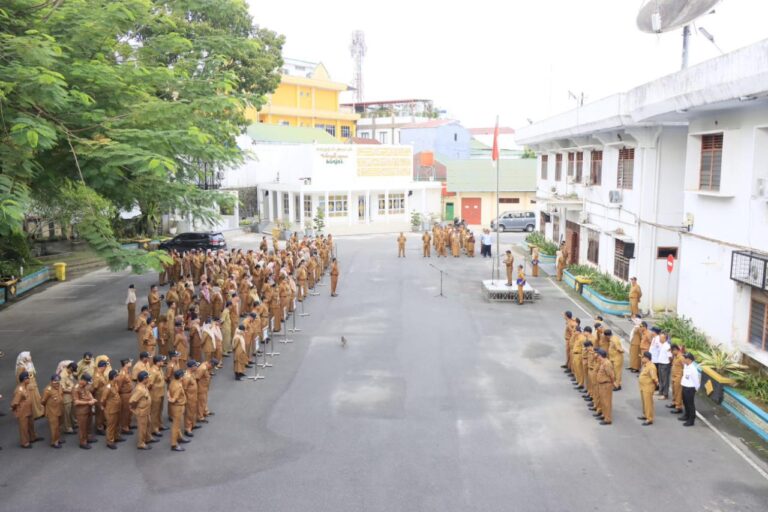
(547, 259)
(604, 304)
(569, 279)
(26, 283)
(746, 412)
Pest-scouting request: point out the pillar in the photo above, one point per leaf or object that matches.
(386, 206)
(351, 211)
(301, 210)
(291, 213)
(268, 204)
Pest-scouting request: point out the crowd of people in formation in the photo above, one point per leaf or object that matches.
(594, 360)
(454, 238)
(219, 304)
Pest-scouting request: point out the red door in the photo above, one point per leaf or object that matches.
(470, 210)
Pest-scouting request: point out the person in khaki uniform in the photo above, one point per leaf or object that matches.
(130, 304)
(520, 284)
(54, 409)
(68, 384)
(156, 384)
(509, 263)
(471, 245)
(83, 401)
(560, 265)
(335, 275)
(276, 310)
(140, 403)
(154, 301)
(535, 262)
(240, 357)
(635, 294)
(634, 345)
(605, 387)
(21, 405)
(455, 244)
(615, 356)
(577, 345)
(570, 328)
(97, 388)
(190, 390)
(677, 380)
(110, 402)
(181, 344)
(177, 401)
(426, 247)
(648, 381)
(124, 385)
(589, 368)
(401, 245)
(203, 376)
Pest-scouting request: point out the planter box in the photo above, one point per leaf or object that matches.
(608, 306)
(746, 412)
(546, 258)
(581, 281)
(525, 246)
(714, 384)
(568, 278)
(2, 296)
(33, 280)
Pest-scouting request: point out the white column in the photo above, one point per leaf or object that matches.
(386, 206)
(268, 203)
(367, 206)
(301, 210)
(351, 211)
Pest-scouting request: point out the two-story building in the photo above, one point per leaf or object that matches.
(679, 167)
(307, 98)
(444, 137)
(382, 120)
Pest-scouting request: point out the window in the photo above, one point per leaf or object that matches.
(285, 123)
(307, 207)
(620, 262)
(663, 252)
(365, 135)
(758, 321)
(285, 204)
(544, 163)
(556, 228)
(383, 137)
(596, 167)
(626, 168)
(396, 203)
(558, 167)
(571, 161)
(345, 132)
(509, 200)
(455, 137)
(331, 129)
(711, 161)
(593, 246)
(532, 201)
(382, 204)
(579, 166)
(337, 206)
(320, 126)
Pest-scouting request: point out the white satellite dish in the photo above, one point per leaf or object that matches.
(656, 16)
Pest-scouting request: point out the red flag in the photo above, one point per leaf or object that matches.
(495, 152)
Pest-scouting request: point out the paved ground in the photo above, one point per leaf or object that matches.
(435, 404)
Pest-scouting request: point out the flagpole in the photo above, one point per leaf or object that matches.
(498, 255)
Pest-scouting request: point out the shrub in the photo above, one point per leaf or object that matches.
(544, 245)
(604, 284)
(683, 328)
(722, 362)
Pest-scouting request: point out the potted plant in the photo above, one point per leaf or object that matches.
(319, 220)
(415, 221)
(718, 369)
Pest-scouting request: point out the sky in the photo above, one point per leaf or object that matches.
(517, 59)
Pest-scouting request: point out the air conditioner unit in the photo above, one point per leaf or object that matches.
(584, 218)
(614, 197)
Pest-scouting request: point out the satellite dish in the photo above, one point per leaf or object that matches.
(658, 16)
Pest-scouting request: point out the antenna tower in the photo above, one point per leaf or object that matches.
(357, 49)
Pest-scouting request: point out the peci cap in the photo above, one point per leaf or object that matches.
(178, 374)
(647, 355)
(144, 355)
(142, 376)
(601, 352)
(86, 377)
(689, 356)
(158, 358)
(23, 376)
(112, 374)
(55, 378)
(102, 364)
(191, 363)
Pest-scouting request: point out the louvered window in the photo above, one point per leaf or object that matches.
(593, 246)
(579, 166)
(758, 324)
(711, 161)
(626, 169)
(558, 167)
(620, 262)
(596, 168)
(570, 163)
(544, 164)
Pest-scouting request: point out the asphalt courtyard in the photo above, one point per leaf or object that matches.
(435, 404)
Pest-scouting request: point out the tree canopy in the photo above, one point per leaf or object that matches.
(109, 106)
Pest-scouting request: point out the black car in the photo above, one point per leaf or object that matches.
(200, 241)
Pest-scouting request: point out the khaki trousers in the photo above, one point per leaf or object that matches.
(175, 412)
(646, 395)
(605, 391)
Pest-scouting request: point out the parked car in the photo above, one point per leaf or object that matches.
(202, 241)
(511, 221)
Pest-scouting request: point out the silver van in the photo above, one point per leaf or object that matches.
(516, 221)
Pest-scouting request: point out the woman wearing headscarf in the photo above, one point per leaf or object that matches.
(68, 383)
(24, 363)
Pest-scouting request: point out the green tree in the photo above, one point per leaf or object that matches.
(108, 106)
(528, 153)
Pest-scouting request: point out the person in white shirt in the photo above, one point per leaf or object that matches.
(691, 382)
(130, 302)
(663, 360)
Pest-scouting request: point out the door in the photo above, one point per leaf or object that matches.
(572, 241)
(361, 208)
(470, 210)
(449, 211)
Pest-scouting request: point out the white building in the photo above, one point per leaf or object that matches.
(361, 188)
(382, 120)
(675, 166)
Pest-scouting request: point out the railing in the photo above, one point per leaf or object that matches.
(750, 268)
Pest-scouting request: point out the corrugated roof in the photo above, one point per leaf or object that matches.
(434, 123)
(362, 140)
(515, 175)
(261, 132)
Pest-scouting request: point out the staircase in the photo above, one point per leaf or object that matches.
(78, 262)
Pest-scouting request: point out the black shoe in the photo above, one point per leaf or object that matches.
(128, 433)
(196, 427)
(563, 366)
(153, 440)
(189, 434)
(646, 423)
(687, 424)
(682, 418)
(37, 439)
(670, 406)
(112, 446)
(203, 421)
(211, 414)
(182, 440)
(57, 446)
(100, 432)
(163, 428)
(145, 447)
(617, 389)
(676, 411)
(238, 377)
(132, 427)
(642, 418)
(85, 446)
(606, 422)
(597, 415)
(157, 434)
(177, 449)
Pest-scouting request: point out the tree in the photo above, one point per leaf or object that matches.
(528, 153)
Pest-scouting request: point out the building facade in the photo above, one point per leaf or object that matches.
(382, 120)
(676, 167)
(308, 98)
(444, 137)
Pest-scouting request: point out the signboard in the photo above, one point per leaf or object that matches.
(670, 263)
(384, 161)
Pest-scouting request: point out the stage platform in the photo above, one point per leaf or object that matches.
(498, 291)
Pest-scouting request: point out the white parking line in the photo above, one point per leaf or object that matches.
(714, 429)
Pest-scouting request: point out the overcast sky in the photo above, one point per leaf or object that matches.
(515, 58)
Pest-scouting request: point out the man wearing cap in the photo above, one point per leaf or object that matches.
(576, 363)
(124, 384)
(569, 327)
(54, 409)
(156, 385)
(678, 364)
(111, 403)
(83, 401)
(426, 247)
(240, 357)
(615, 356)
(68, 385)
(181, 344)
(634, 344)
(177, 400)
(190, 390)
(141, 325)
(154, 301)
(203, 376)
(335, 274)
(691, 382)
(97, 388)
(605, 387)
(149, 336)
(21, 405)
(140, 403)
(648, 381)
(140, 366)
(635, 294)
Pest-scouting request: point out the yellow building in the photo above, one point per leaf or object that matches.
(307, 97)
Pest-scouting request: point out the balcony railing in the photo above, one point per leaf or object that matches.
(750, 268)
